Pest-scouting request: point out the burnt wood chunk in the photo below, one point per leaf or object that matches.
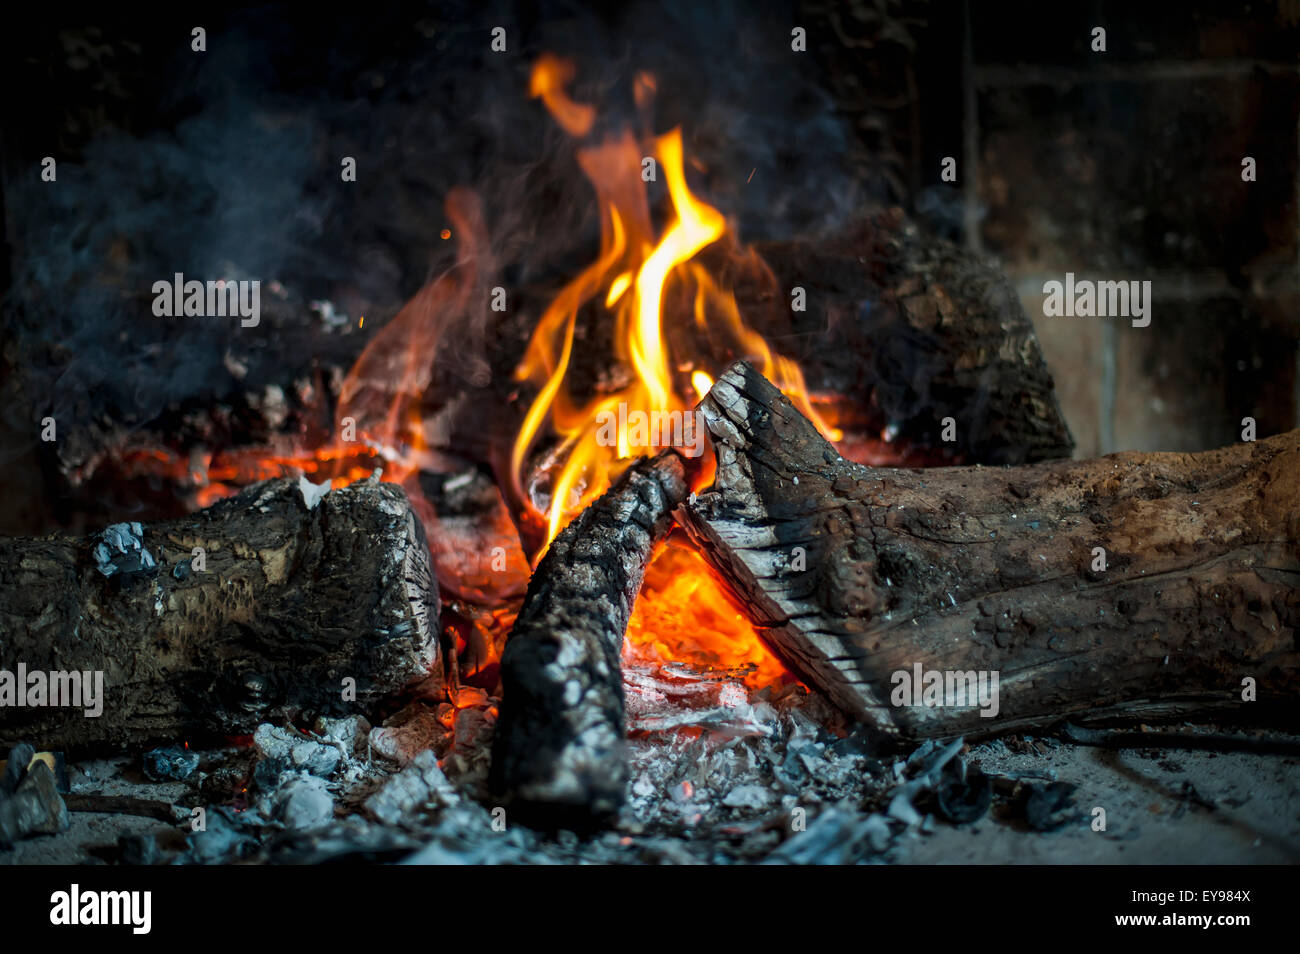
(855, 574)
(285, 602)
(559, 756)
(909, 329)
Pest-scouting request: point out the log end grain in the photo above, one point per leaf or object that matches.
(290, 609)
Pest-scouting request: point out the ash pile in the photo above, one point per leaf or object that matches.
(719, 774)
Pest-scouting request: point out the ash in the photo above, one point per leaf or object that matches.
(720, 773)
(730, 773)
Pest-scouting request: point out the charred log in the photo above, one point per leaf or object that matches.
(911, 329)
(259, 607)
(558, 754)
(1136, 584)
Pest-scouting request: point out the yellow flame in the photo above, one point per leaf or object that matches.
(617, 287)
(633, 270)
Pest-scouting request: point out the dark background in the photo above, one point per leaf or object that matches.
(1122, 165)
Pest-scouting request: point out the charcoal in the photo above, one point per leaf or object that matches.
(1051, 806)
(411, 731)
(226, 837)
(267, 773)
(922, 752)
(838, 836)
(900, 805)
(273, 742)
(791, 771)
(299, 750)
(930, 758)
(316, 758)
(34, 808)
(20, 756)
(962, 800)
(170, 763)
(748, 796)
(858, 742)
(350, 732)
(370, 846)
(137, 849)
(120, 551)
(464, 836)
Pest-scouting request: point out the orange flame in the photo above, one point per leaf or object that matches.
(682, 615)
(550, 75)
(628, 280)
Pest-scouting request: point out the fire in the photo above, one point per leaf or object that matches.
(682, 615)
(550, 75)
(651, 295)
(629, 280)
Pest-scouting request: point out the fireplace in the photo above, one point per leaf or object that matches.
(448, 439)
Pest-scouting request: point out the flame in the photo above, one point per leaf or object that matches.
(666, 327)
(629, 281)
(682, 614)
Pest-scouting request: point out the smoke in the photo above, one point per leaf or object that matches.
(237, 173)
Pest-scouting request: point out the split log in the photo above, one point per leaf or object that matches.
(855, 574)
(558, 755)
(290, 601)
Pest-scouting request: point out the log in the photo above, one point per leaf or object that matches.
(901, 328)
(974, 569)
(558, 756)
(291, 600)
(910, 329)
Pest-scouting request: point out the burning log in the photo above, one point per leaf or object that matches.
(1135, 584)
(262, 606)
(909, 329)
(558, 755)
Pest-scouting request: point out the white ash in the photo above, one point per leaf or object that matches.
(719, 773)
(349, 734)
(304, 803)
(299, 751)
(312, 493)
(711, 757)
(419, 786)
(417, 728)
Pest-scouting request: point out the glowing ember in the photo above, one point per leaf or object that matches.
(682, 615)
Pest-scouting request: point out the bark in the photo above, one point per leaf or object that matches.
(854, 574)
(559, 751)
(907, 329)
(291, 602)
